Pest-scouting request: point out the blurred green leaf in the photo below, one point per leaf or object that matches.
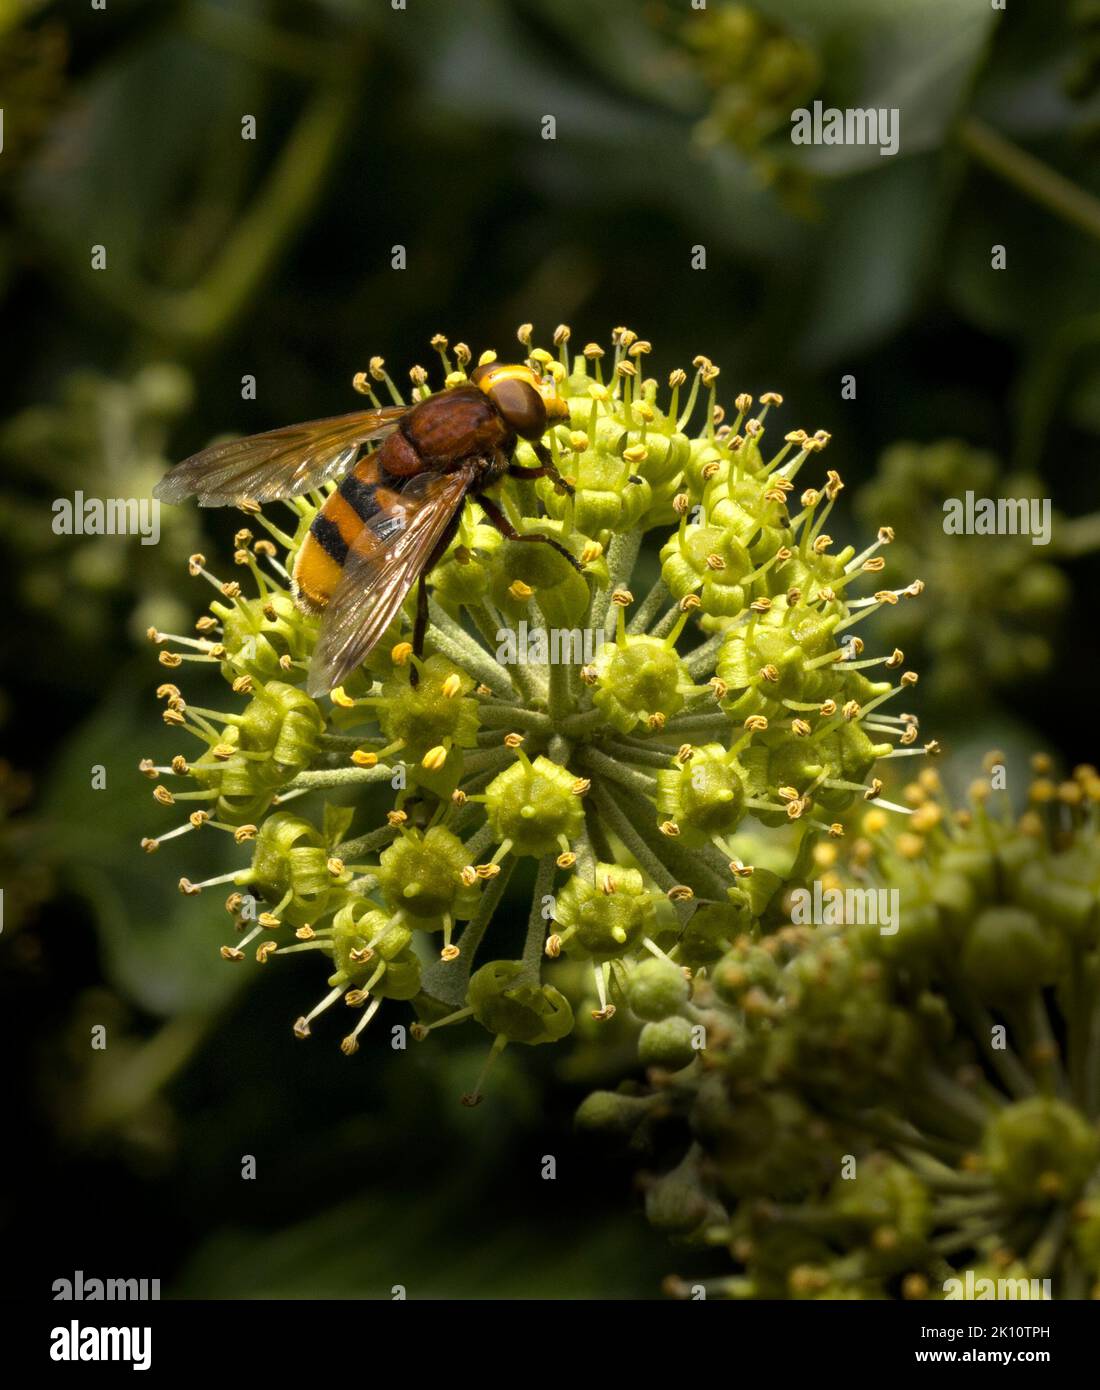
(872, 259)
(159, 948)
(121, 165)
(918, 56)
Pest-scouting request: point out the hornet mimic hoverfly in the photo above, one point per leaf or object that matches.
(396, 510)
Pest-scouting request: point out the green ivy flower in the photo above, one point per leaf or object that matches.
(871, 1110)
(625, 744)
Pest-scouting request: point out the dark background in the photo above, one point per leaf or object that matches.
(422, 128)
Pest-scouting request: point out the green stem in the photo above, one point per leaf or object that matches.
(618, 822)
(577, 725)
(1031, 176)
(661, 857)
(135, 1081)
(536, 924)
(649, 608)
(1013, 1075)
(645, 757)
(1044, 1252)
(365, 844)
(955, 1099)
(340, 777)
(521, 677)
(637, 782)
(622, 554)
(561, 695)
(456, 644)
(207, 311)
(701, 659)
(255, 41)
(516, 717)
(447, 981)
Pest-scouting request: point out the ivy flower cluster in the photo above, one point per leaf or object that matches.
(621, 741)
(1000, 597)
(885, 1114)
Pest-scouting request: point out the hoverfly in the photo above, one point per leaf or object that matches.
(398, 507)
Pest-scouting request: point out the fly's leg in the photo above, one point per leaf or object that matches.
(506, 529)
(547, 469)
(420, 625)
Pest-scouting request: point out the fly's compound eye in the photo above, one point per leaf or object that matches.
(522, 407)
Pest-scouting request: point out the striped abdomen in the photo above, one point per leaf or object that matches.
(367, 490)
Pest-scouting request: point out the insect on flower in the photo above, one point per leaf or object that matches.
(396, 509)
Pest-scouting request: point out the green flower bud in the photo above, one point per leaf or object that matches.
(259, 633)
(1040, 1150)
(534, 807)
(290, 868)
(605, 919)
(677, 1202)
(712, 562)
(711, 930)
(464, 574)
(560, 592)
(374, 953)
(704, 796)
(605, 498)
(657, 989)
(259, 751)
(612, 1112)
(509, 1005)
(668, 1042)
(639, 678)
(892, 1206)
(1008, 954)
(359, 929)
(421, 874)
(428, 715)
(746, 969)
(788, 655)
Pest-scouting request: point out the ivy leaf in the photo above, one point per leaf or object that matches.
(159, 948)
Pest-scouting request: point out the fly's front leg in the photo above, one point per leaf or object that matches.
(506, 529)
(547, 469)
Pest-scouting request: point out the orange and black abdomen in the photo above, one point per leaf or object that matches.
(367, 490)
(437, 434)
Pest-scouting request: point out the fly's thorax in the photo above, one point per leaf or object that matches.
(461, 423)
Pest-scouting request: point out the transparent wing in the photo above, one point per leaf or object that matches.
(384, 561)
(281, 463)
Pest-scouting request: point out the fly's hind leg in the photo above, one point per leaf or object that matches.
(420, 625)
(506, 529)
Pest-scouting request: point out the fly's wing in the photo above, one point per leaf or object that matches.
(384, 561)
(281, 463)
